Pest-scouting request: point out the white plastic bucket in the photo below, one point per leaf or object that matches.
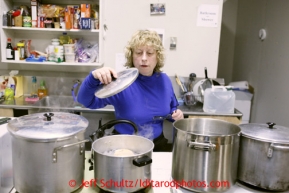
(68, 48)
(69, 57)
(219, 100)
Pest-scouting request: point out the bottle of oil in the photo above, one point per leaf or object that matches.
(64, 39)
(42, 91)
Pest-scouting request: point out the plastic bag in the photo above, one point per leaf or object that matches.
(85, 52)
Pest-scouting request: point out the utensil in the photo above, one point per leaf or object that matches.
(192, 78)
(168, 116)
(206, 84)
(124, 79)
(262, 146)
(205, 150)
(189, 99)
(4, 120)
(179, 83)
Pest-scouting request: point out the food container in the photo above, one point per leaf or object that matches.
(69, 57)
(205, 151)
(219, 100)
(68, 48)
(264, 155)
(48, 152)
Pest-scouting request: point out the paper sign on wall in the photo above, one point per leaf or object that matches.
(208, 15)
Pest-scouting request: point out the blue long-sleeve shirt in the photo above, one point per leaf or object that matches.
(146, 97)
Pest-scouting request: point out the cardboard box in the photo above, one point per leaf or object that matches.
(68, 18)
(34, 12)
(18, 21)
(85, 10)
(85, 23)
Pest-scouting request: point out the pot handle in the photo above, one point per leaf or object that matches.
(142, 161)
(275, 146)
(201, 146)
(81, 149)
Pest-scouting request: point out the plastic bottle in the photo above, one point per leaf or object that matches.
(9, 50)
(64, 39)
(42, 91)
(34, 87)
(27, 21)
(10, 88)
(4, 18)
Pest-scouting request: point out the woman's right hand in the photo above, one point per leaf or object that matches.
(104, 74)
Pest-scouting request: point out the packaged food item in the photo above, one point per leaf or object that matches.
(64, 38)
(85, 23)
(76, 17)
(85, 10)
(67, 18)
(21, 50)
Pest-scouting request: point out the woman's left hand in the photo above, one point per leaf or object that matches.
(177, 115)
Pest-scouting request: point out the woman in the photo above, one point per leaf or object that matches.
(151, 94)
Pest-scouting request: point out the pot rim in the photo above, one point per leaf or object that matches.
(264, 140)
(127, 156)
(269, 132)
(201, 123)
(47, 126)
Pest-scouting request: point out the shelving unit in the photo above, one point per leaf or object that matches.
(41, 38)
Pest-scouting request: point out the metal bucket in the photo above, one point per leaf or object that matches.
(205, 154)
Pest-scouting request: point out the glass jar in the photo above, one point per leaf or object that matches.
(20, 47)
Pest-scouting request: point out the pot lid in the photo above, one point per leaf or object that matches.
(123, 80)
(269, 132)
(47, 126)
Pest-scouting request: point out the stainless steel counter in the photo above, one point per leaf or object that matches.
(20, 103)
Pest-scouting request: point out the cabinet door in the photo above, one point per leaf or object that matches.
(6, 113)
(197, 45)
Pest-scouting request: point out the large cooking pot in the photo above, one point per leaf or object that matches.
(122, 163)
(48, 152)
(264, 155)
(205, 154)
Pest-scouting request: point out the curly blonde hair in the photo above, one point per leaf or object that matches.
(145, 38)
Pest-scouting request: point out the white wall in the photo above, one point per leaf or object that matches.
(197, 46)
(264, 64)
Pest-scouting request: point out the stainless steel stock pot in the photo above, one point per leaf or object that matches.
(116, 173)
(205, 152)
(264, 155)
(48, 152)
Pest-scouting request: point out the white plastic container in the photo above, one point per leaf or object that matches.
(68, 48)
(219, 100)
(69, 57)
